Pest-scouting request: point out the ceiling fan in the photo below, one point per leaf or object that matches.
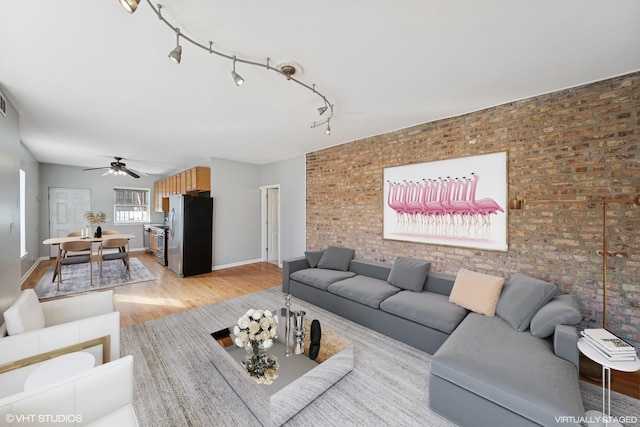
(118, 168)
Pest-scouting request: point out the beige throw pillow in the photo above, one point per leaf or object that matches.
(476, 291)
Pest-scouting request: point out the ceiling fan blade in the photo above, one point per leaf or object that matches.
(133, 174)
(138, 172)
(93, 169)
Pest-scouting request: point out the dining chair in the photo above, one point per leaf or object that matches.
(123, 253)
(76, 252)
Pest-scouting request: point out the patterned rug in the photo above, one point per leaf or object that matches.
(75, 278)
(176, 382)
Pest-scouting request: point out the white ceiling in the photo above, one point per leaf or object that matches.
(91, 81)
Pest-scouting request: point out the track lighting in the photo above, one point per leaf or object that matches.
(236, 77)
(287, 71)
(130, 5)
(176, 54)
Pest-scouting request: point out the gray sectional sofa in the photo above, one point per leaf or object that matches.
(517, 368)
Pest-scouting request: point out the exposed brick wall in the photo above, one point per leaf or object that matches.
(577, 144)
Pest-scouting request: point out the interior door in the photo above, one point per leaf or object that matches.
(66, 212)
(273, 225)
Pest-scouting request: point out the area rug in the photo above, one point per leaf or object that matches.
(75, 278)
(177, 384)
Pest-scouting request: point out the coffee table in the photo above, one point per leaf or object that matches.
(300, 380)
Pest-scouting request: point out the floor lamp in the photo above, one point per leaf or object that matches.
(517, 203)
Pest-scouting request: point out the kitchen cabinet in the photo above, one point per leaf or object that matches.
(196, 179)
(153, 241)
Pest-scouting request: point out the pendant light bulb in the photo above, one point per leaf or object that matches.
(130, 5)
(328, 131)
(237, 78)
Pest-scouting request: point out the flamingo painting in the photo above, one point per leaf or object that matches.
(446, 202)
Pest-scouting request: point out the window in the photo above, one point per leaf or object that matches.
(23, 214)
(130, 205)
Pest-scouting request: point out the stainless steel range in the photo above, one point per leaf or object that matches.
(158, 236)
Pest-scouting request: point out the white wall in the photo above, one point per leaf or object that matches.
(9, 207)
(290, 175)
(101, 196)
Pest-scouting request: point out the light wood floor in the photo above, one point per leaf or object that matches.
(170, 294)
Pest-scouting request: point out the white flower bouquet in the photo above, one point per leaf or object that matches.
(256, 328)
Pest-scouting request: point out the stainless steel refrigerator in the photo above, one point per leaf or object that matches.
(190, 234)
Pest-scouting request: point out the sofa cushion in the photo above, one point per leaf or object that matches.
(519, 372)
(561, 310)
(25, 314)
(409, 273)
(476, 291)
(426, 308)
(521, 298)
(320, 278)
(313, 257)
(363, 289)
(335, 258)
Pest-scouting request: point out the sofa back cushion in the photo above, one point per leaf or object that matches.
(409, 273)
(25, 314)
(313, 258)
(561, 310)
(336, 258)
(521, 299)
(476, 291)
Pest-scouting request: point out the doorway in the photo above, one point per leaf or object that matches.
(271, 224)
(66, 212)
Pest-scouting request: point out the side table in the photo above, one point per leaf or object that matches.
(58, 368)
(604, 418)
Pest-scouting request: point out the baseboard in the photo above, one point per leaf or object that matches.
(33, 267)
(236, 264)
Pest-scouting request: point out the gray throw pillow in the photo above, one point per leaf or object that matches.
(521, 298)
(409, 273)
(313, 258)
(335, 258)
(561, 310)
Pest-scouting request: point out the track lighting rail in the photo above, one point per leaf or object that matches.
(131, 6)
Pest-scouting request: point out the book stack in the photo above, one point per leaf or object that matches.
(610, 346)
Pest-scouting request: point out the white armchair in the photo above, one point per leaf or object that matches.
(101, 396)
(37, 331)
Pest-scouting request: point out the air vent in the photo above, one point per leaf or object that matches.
(3, 105)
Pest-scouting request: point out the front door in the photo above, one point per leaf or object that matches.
(273, 225)
(66, 212)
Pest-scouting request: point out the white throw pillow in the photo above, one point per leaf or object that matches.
(25, 314)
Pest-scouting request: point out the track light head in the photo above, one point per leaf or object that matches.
(237, 78)
(130, 5)
(322, 110)
(176, 54)
(328, 131)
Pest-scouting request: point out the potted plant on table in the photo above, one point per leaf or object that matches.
(96, 219)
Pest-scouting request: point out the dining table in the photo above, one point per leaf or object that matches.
(56, 241)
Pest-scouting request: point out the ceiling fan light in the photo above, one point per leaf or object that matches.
(176, 54)
(130, 5)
